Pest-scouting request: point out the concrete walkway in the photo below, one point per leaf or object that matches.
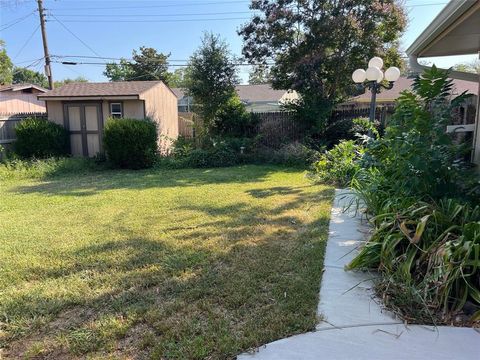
(354, 324)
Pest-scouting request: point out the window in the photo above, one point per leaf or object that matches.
(116, 110)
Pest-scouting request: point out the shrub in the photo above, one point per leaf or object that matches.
(130, 143)
(233, 120)
(339, 165)
(424, 201)
(293, 154)
(40, 139)
(45, 168)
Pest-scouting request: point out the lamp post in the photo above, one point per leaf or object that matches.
(372, 79)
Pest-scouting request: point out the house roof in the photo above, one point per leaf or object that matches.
(249, 93)
(404, 83)
(117, 88)
(19, 87)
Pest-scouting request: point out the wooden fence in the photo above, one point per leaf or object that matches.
(382, 114)
(8, 124)
(275, 128)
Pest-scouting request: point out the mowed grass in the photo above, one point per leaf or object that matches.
(175, 264)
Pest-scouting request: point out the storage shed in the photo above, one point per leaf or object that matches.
(83, 109)
(21, 98)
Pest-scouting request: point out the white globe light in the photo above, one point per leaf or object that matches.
(373, 73)
(392, 74)
(380, 78)
(359, 76)
(376, 61)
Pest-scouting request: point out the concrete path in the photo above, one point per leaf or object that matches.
(354, 325)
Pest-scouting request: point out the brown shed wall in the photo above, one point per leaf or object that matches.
(161, 107)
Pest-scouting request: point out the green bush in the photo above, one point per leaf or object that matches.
(131, 143)
(14, 169)
(339, 165)
(40, 139)
(233, 120)
(293, 154)
(424, 201)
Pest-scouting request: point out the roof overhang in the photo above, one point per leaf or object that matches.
(88, 98)
(455, 31)
(19, 87)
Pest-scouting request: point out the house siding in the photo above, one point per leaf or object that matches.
(15, 102)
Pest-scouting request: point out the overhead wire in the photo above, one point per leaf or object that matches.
(74, 35)
(26, 42)
(16, 21)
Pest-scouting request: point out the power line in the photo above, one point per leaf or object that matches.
(157, 6)
(26, 42)
(154, 15)
(148, 21)
(106, 63)
(73, 34)
(16, 21)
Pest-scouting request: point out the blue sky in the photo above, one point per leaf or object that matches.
(109, 29)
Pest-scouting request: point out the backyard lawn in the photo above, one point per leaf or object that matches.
(186, 264)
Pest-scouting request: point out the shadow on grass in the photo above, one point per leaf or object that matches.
(92, 183)
(247, 276)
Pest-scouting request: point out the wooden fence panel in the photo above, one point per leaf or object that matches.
(9, 122)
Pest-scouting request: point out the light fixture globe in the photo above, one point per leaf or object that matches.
(359, 76)
(392, 74)
(373, 73)
(376, 61)
(380, 78)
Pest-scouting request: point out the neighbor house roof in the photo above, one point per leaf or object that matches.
(105, 89)
(249, 93)
(404, 83)
(19, 87)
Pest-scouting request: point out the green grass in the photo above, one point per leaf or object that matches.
(186, 264)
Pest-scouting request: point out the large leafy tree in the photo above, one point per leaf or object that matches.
(211, 77)
(471, 67)
(6, 65)
(146, 64)
(78, 79)
(179, 78)
(259, 75)
(317, 44)
(23, 75)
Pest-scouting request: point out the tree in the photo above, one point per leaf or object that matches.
(259, 75)
(6, 65)
(471, 67)
(178, 79)
(147, 64)
(317, 44)
(78, 79)
(212, 77)
(23, 75)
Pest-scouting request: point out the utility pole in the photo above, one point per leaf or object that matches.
(48, 69)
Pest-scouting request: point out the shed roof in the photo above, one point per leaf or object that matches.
(117, 88)
(18, 87)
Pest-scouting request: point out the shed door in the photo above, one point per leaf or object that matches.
(83, 122)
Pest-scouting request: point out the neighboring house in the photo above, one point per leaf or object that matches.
(455, 31)
(21, 98)
(388, 97)
(83, 109)
(257, 98)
